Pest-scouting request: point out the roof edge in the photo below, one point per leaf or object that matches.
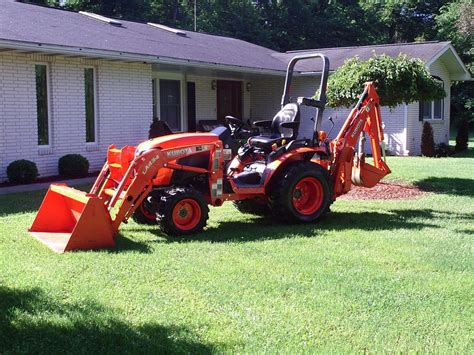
(126, 56)
(365, 46)
(467, 74)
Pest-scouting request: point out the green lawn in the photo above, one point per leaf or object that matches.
(373, 276)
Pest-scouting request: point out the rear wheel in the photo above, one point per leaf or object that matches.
(182, 211)
(253, 206)
(300, 193)
(146, 212)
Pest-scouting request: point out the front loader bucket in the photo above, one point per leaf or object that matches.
(70, 219)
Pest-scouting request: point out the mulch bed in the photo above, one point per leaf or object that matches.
(384, 191)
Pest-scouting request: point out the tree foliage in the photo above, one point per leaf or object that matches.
(397, 80)
(456, 24)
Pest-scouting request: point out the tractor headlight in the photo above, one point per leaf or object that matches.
(138, 153)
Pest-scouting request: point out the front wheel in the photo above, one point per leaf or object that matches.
(182, 211)
(301, 193)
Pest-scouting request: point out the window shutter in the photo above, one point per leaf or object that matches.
(191, 106)
(420, 111)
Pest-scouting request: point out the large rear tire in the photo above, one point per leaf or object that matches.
(253, 207)
(146, 212)
(182, 211)
(301, 192)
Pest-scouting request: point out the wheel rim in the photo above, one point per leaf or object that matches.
(187, 214)
(308, 196)
(146, 212)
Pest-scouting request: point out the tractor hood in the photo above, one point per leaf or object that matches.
(177, 140)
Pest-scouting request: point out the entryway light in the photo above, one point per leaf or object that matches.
(213, 85)
(248, 86)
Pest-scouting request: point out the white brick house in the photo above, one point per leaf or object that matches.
(140, 71)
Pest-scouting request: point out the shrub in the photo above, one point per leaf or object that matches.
(442, 150)
(73, 166)
(462, 136)
(427, 141)
(397, 80)
(22, 172)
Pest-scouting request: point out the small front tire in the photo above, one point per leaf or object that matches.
(182, 211)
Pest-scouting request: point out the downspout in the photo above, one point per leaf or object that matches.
(405, 129)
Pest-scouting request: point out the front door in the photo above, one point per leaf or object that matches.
(229, 99)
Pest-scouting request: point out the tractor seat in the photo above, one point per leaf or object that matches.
(265, 142)
(284, 126)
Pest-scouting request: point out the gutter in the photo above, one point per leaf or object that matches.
(126, 56)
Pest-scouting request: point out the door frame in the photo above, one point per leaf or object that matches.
(241, 96)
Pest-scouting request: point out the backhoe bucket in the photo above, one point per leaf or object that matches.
(69, 219)
(368, 175)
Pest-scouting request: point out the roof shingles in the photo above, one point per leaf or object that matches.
(21, 22)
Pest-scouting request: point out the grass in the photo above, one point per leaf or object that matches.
(374, 276)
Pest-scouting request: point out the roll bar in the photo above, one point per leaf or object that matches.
(320, 103)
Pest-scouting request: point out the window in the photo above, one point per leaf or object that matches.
(170, 103)
(432, 110)
(153, 92)
(42, 106)
(89, 93)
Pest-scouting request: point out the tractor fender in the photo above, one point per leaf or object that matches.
(284, 160)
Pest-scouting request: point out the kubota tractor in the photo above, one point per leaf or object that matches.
(171, 180)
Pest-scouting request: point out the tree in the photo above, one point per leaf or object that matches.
(235, 18)
(403, 21)
(456, 24)
(427, 141)
(397, 80)
(462, 137)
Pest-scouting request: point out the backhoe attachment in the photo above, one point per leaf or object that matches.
(351, 168)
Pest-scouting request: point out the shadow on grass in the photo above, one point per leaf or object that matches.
(469, 153)
(21, 203)
(267, 229)
(449, 186)
(32, 322)
(26, 202)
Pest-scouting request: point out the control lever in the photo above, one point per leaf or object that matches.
(332, 127)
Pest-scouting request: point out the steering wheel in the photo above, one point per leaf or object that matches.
(235, 125)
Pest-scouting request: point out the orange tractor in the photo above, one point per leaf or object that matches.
(171, 180)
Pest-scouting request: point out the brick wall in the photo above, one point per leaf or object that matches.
(123, 109)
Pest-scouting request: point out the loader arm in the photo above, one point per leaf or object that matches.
(69, 219)
(349, 168)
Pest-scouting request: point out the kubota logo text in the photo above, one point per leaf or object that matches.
(176, 152)
(356, 129)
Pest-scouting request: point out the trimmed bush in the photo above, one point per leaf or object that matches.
(442, 150)
(73, 166)
(462, 137)
(22, 172)
(397, 80)
(427, 141)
